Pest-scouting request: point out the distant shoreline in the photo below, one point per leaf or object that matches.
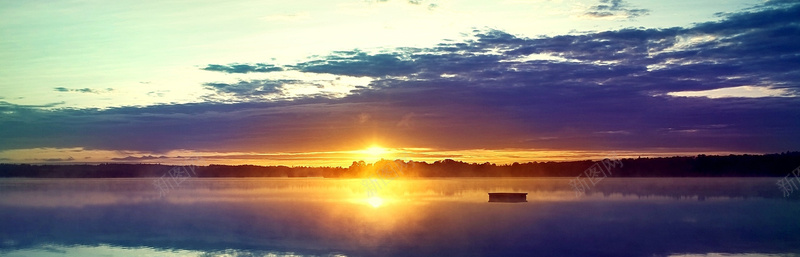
(767, 165)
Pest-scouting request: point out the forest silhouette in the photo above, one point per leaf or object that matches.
(767, 165)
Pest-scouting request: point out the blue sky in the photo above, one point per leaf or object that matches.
(318, 82)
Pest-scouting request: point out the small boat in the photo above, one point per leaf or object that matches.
(508, 197)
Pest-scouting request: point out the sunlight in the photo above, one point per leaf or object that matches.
(375, 151)
(375, 201)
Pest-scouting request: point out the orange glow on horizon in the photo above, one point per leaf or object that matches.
(333, 158)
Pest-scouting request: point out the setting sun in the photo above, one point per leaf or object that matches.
(375, 201)
(374, 153)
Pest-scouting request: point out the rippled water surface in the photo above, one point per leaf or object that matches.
(416, 217)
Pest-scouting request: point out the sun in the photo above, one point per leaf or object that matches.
(375, 201)
(375, 150)
(373, 153)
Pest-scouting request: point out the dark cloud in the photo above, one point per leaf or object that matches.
(358, 63)
(254, 90)
(83, 90)
(609, 8)
(141, 158)
(243, 68)
(248, 89)
(9, 107)
(594, 91)
(57, 159)
(780, 3)
(596, 78)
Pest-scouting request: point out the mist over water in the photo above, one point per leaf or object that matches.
(416, 217)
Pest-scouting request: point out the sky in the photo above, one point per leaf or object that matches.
(326, 83)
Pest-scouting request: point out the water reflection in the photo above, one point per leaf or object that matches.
(434, 217)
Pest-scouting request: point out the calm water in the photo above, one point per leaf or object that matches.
(422, 217)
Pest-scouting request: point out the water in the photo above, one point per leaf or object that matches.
(418, 217)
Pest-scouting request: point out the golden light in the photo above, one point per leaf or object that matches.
(375, 201)
(373, 153)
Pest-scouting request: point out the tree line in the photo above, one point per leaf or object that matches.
(767, 165)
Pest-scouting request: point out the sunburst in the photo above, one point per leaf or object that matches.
(375, 201)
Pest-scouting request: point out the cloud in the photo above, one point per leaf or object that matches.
(594, 91)
(141, 158)
(741, 91)
(358, 63)
(83, 90)
(307, 85)
(57, 159)
(430, 6)
(618, 72)
(243, 68)
(614, 9)
(249, 89)
(9, 107)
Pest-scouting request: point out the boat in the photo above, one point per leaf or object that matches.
(508, 197)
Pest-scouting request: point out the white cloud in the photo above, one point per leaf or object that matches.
(740, 91)
(541, 57)
(683, 43)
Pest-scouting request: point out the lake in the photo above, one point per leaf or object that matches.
(414, 217)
